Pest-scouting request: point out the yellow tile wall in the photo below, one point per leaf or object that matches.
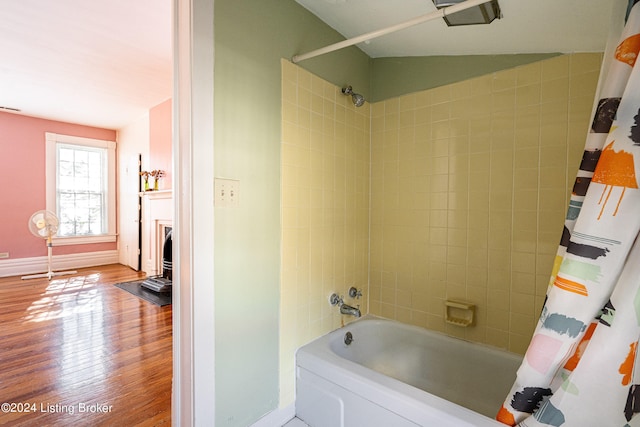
(469, 188)
(325, 210)
(456, 192)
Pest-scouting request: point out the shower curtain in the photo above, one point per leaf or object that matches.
(582, 366)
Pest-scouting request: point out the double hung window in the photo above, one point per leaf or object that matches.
(81, 188)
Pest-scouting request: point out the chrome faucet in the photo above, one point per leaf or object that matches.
(347, 309)
(335, 299)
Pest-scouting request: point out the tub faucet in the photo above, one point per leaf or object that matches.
(347, 309)
(335, 299)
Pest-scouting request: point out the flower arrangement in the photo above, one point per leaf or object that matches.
(156, 174)
(145, 175)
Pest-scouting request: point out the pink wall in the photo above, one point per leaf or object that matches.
(22, 181)
(160, 135)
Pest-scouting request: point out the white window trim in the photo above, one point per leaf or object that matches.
(51, 140)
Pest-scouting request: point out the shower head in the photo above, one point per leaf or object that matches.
(358, 100)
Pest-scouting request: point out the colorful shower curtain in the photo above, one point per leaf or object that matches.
(582, 367)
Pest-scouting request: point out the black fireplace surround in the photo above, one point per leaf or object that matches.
(167, 254)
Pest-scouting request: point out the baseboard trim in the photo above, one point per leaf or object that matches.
(24, 266)
(277, 418)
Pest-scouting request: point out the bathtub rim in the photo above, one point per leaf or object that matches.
(403, 399)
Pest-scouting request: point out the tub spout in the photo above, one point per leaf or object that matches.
(347, 309)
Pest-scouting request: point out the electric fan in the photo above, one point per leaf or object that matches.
(44, 224)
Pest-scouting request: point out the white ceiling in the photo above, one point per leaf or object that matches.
(106, 62)
(102, 63)
(527, 26)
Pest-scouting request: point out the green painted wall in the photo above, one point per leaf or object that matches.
(250, 39)
(393, 77)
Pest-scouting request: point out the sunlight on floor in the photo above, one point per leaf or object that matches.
(66, 297)
(78, 306)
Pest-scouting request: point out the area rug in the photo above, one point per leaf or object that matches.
(135, 288)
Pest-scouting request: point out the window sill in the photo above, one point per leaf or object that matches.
(84, 240)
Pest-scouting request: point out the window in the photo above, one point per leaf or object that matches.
(81, 188)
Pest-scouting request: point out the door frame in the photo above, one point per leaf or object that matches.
(193, 400)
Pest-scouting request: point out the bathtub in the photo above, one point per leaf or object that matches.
(397, 375)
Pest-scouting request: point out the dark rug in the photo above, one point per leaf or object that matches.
(134, 288)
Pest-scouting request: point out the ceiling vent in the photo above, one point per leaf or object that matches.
(484, 13)
(15, 110)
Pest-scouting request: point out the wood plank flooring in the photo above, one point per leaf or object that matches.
(77, 351)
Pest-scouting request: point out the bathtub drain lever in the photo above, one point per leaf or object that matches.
(348, 338)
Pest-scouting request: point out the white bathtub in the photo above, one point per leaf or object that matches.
(396, 375)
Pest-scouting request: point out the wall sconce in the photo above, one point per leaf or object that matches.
(484, 13)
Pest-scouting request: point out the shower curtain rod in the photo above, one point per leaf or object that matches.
(392, 29)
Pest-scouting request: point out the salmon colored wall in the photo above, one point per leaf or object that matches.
(160, 134)
(22, 181)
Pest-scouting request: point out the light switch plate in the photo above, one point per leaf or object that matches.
(227, 192)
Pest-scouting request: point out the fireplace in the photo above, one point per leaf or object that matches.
(163, 282)
(157, 238)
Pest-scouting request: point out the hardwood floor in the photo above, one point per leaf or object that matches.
(78, 351)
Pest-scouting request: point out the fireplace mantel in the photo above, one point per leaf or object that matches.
(157, 213)
(158, 194)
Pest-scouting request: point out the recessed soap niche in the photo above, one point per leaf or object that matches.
(459, 313)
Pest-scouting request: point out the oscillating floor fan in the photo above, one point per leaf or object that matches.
(44, 224)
